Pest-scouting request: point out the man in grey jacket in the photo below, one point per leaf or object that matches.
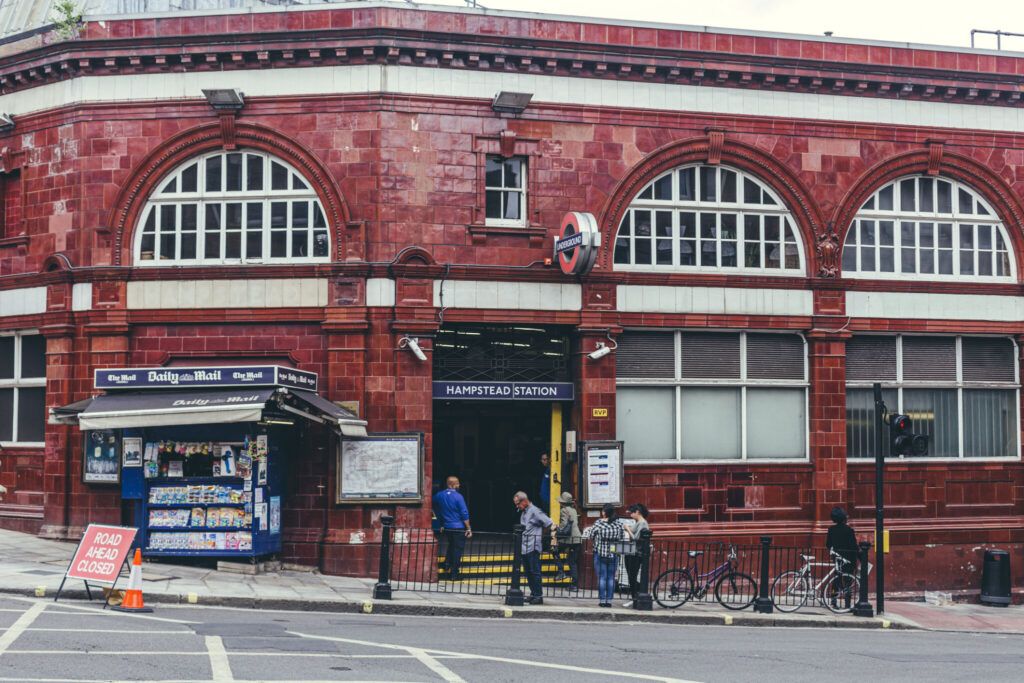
(534, 522)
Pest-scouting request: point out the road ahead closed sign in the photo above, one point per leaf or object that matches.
(101, 552)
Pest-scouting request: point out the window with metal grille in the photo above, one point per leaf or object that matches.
(961, 391)
(723, 396)
(22, 389)
(230, 208)
(708, 218)
(931, 228)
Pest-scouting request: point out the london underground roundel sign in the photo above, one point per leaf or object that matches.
(577, 243)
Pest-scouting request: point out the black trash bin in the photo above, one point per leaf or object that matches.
(995, 578)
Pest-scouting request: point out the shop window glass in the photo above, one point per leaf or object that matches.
(776, 420)
(725, 220)
(645, 420)
(710, 423)
(937, 236)
(505, 190)
(233, 215)
(22, 388)
(960, 391)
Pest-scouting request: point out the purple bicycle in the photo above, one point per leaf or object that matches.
(733, 589)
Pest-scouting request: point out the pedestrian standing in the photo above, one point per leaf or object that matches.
(569, 540)
(535, 522)
(843, 541)
(453, 517)
(544, 483)
(603, 534)
(638, 513)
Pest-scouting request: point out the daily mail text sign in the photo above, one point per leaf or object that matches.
(101, 552)
(505, 391)
(215, 376)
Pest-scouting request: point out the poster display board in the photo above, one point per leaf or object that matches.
(131, 451)
(602, 473)
(101, 457)
(380, 467)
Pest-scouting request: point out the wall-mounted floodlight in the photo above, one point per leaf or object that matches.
(6, 123)
(413, 345)
(511, 102)
(225, 98)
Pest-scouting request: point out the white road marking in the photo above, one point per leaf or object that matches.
(19, 626)
(219, 660)
(169, 653)
(437, 667)
(503, 660)
(22, 679)
(99, 611)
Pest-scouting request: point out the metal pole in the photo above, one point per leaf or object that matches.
(879, 500)
(382, 591)
(643, 600)
(514, 595)
(763, 603)
(863, 606)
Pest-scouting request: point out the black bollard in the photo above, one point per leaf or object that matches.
(514, 595)
(643, 600)
(863, 608)
(382, 591)
(763, 603)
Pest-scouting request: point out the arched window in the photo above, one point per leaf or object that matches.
(932, 228)
(708, 218)
(232, 208)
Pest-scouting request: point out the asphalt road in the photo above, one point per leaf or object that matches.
(71, 641)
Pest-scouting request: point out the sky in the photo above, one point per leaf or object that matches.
(938, 22)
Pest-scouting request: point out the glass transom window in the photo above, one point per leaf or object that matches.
(232, 208)
(932, 228)
(708, 218)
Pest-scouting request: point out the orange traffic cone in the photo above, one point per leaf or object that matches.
(133, 596)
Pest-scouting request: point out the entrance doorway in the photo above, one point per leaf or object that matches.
(493, 448)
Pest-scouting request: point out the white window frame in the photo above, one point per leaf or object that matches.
(743, 383)
(201, 198)
(896, 215)
(959, 384)
(22, 383)
(738, 208)
(524, 178)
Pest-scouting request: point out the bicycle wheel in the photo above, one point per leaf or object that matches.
(736, 590)
(673, 588)
(841, 593)
(790, 591)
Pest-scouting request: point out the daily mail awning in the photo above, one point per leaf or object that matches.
(126, 409)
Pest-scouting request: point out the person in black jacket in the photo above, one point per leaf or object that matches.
(841, 539)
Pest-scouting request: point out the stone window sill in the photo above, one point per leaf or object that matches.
(535, 233)
(13, 241)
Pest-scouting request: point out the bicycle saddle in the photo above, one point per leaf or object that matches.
(695, 553)
(808, 558)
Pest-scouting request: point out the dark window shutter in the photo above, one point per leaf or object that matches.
(929, 359)
(988, 360)
(645, 355)
(871, 359)
(775, 356)
(710, 355)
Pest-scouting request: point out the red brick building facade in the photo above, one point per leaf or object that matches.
(385, 114)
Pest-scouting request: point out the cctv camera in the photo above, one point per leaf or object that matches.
(414, 346)
(600, 352)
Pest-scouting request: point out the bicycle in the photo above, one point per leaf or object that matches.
(734, 590)
(837, 591)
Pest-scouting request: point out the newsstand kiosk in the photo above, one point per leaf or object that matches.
(201, 451)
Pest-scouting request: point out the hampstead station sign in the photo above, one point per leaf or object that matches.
(218, 376)
(505, 391)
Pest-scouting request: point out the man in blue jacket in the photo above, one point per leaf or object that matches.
(451, 511)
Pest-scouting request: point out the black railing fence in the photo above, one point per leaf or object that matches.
(417, 560)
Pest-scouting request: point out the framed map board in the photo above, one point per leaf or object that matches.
(380, 467)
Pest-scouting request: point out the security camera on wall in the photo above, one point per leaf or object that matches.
(600, 352)
(413, 345)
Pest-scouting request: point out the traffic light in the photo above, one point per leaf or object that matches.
(902, 441)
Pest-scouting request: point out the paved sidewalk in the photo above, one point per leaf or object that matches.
(30, 565)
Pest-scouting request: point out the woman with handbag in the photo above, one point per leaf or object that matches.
(569, 540)
(638, 513)
(603, 534)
